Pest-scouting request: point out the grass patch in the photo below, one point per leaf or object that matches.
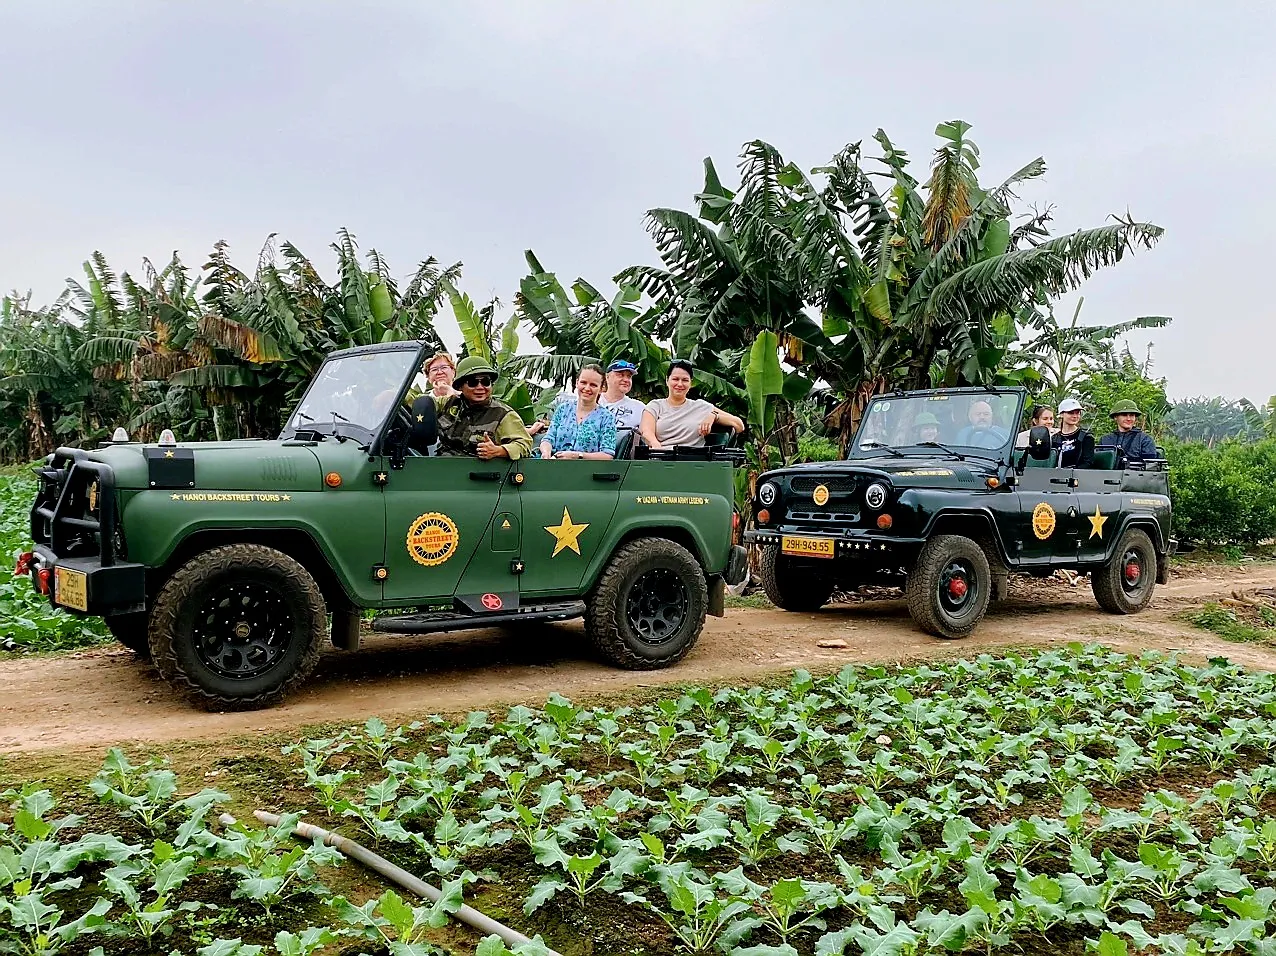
(757, 601)
(1256, 625)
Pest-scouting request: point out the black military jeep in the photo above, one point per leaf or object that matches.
(935, 495)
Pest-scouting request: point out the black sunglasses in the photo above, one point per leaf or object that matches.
(479, 381)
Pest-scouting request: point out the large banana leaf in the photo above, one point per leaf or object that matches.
(763, 377)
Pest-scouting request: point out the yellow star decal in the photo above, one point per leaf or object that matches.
(168, 454)
(566, 535)
(420, 418)
(1096, 522)
(287, 497)
(176, 497)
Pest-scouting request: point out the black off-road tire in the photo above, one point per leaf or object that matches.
(131, 630)
(272, 592)
(1112, 586)
(794, 587)
(647, 609)
(930, 590)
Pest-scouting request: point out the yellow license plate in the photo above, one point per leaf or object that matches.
(807, 547)
(71, 588)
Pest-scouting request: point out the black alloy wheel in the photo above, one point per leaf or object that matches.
(242, 629)
(658, 604)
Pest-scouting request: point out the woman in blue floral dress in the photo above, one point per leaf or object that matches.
(582, 429)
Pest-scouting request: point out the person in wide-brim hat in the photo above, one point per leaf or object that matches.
(475, 422)
(1135, 444)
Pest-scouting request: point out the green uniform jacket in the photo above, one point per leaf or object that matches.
(462, 426)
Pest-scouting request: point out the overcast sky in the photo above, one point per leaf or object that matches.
(473, 131)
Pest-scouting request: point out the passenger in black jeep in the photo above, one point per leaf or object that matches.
(1075, 444)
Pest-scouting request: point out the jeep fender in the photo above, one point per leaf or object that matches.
(977, 524)
(711, 549)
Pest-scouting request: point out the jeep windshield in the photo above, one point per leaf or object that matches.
(353, 394)
(975, 423)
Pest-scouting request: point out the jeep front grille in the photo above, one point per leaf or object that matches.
(842, 485)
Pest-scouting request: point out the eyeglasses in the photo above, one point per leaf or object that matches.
(479, 381)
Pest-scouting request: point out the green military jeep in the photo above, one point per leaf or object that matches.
(231, 563)
(934, 494)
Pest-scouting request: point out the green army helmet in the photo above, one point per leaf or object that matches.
(1124, 408)
(474, 365)
(925, 418)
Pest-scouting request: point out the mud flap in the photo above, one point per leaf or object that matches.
(345, 630)
(717, 596)
(1163, 569)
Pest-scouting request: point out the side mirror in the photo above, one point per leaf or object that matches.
(425, 424)
(1039, 442)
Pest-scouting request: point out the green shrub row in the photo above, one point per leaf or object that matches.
(1225, 494)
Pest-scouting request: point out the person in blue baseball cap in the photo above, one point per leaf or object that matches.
(627, 411)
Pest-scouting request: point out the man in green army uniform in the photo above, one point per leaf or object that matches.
(475, 423)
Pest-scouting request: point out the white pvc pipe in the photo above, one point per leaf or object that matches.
(374, 861)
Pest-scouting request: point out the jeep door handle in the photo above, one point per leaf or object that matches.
(1058, 481)
(1112, 481)
(606, 476)
(485, 476)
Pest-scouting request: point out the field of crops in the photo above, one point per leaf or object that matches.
(27, 623)
(1074, 801)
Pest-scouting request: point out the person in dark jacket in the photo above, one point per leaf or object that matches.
(1075, 444)
(1136, 445)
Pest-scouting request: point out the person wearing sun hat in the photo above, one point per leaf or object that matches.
(1075, 444)
(476, 423)
(927, 427)
(1136, 445)
(627, 411)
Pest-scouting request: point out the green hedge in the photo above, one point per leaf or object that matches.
(1224, 495)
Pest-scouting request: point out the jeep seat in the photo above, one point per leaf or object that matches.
(625, 445)
(1105, 458)
(1052, 461)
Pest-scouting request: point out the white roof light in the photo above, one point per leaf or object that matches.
(120, 434)
(167, 437)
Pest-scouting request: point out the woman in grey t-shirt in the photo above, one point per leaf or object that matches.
(678, 420)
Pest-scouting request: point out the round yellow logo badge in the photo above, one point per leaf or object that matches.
(1043, 521)
(432, 539)
(820, 495)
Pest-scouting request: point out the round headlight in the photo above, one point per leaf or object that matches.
(875, 495)
(767, 493)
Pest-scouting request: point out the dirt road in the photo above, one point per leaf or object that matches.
(93, 699)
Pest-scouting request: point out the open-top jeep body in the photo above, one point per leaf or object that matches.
(224, 560)
(934, 494)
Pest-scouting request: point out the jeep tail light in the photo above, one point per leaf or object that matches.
(735, 521)
(42, 579)
(884, 521)
(24, 563)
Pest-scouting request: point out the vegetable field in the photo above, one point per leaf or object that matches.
(27, 623)
(1069, 802)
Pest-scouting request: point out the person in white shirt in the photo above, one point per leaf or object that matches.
(628, 411)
